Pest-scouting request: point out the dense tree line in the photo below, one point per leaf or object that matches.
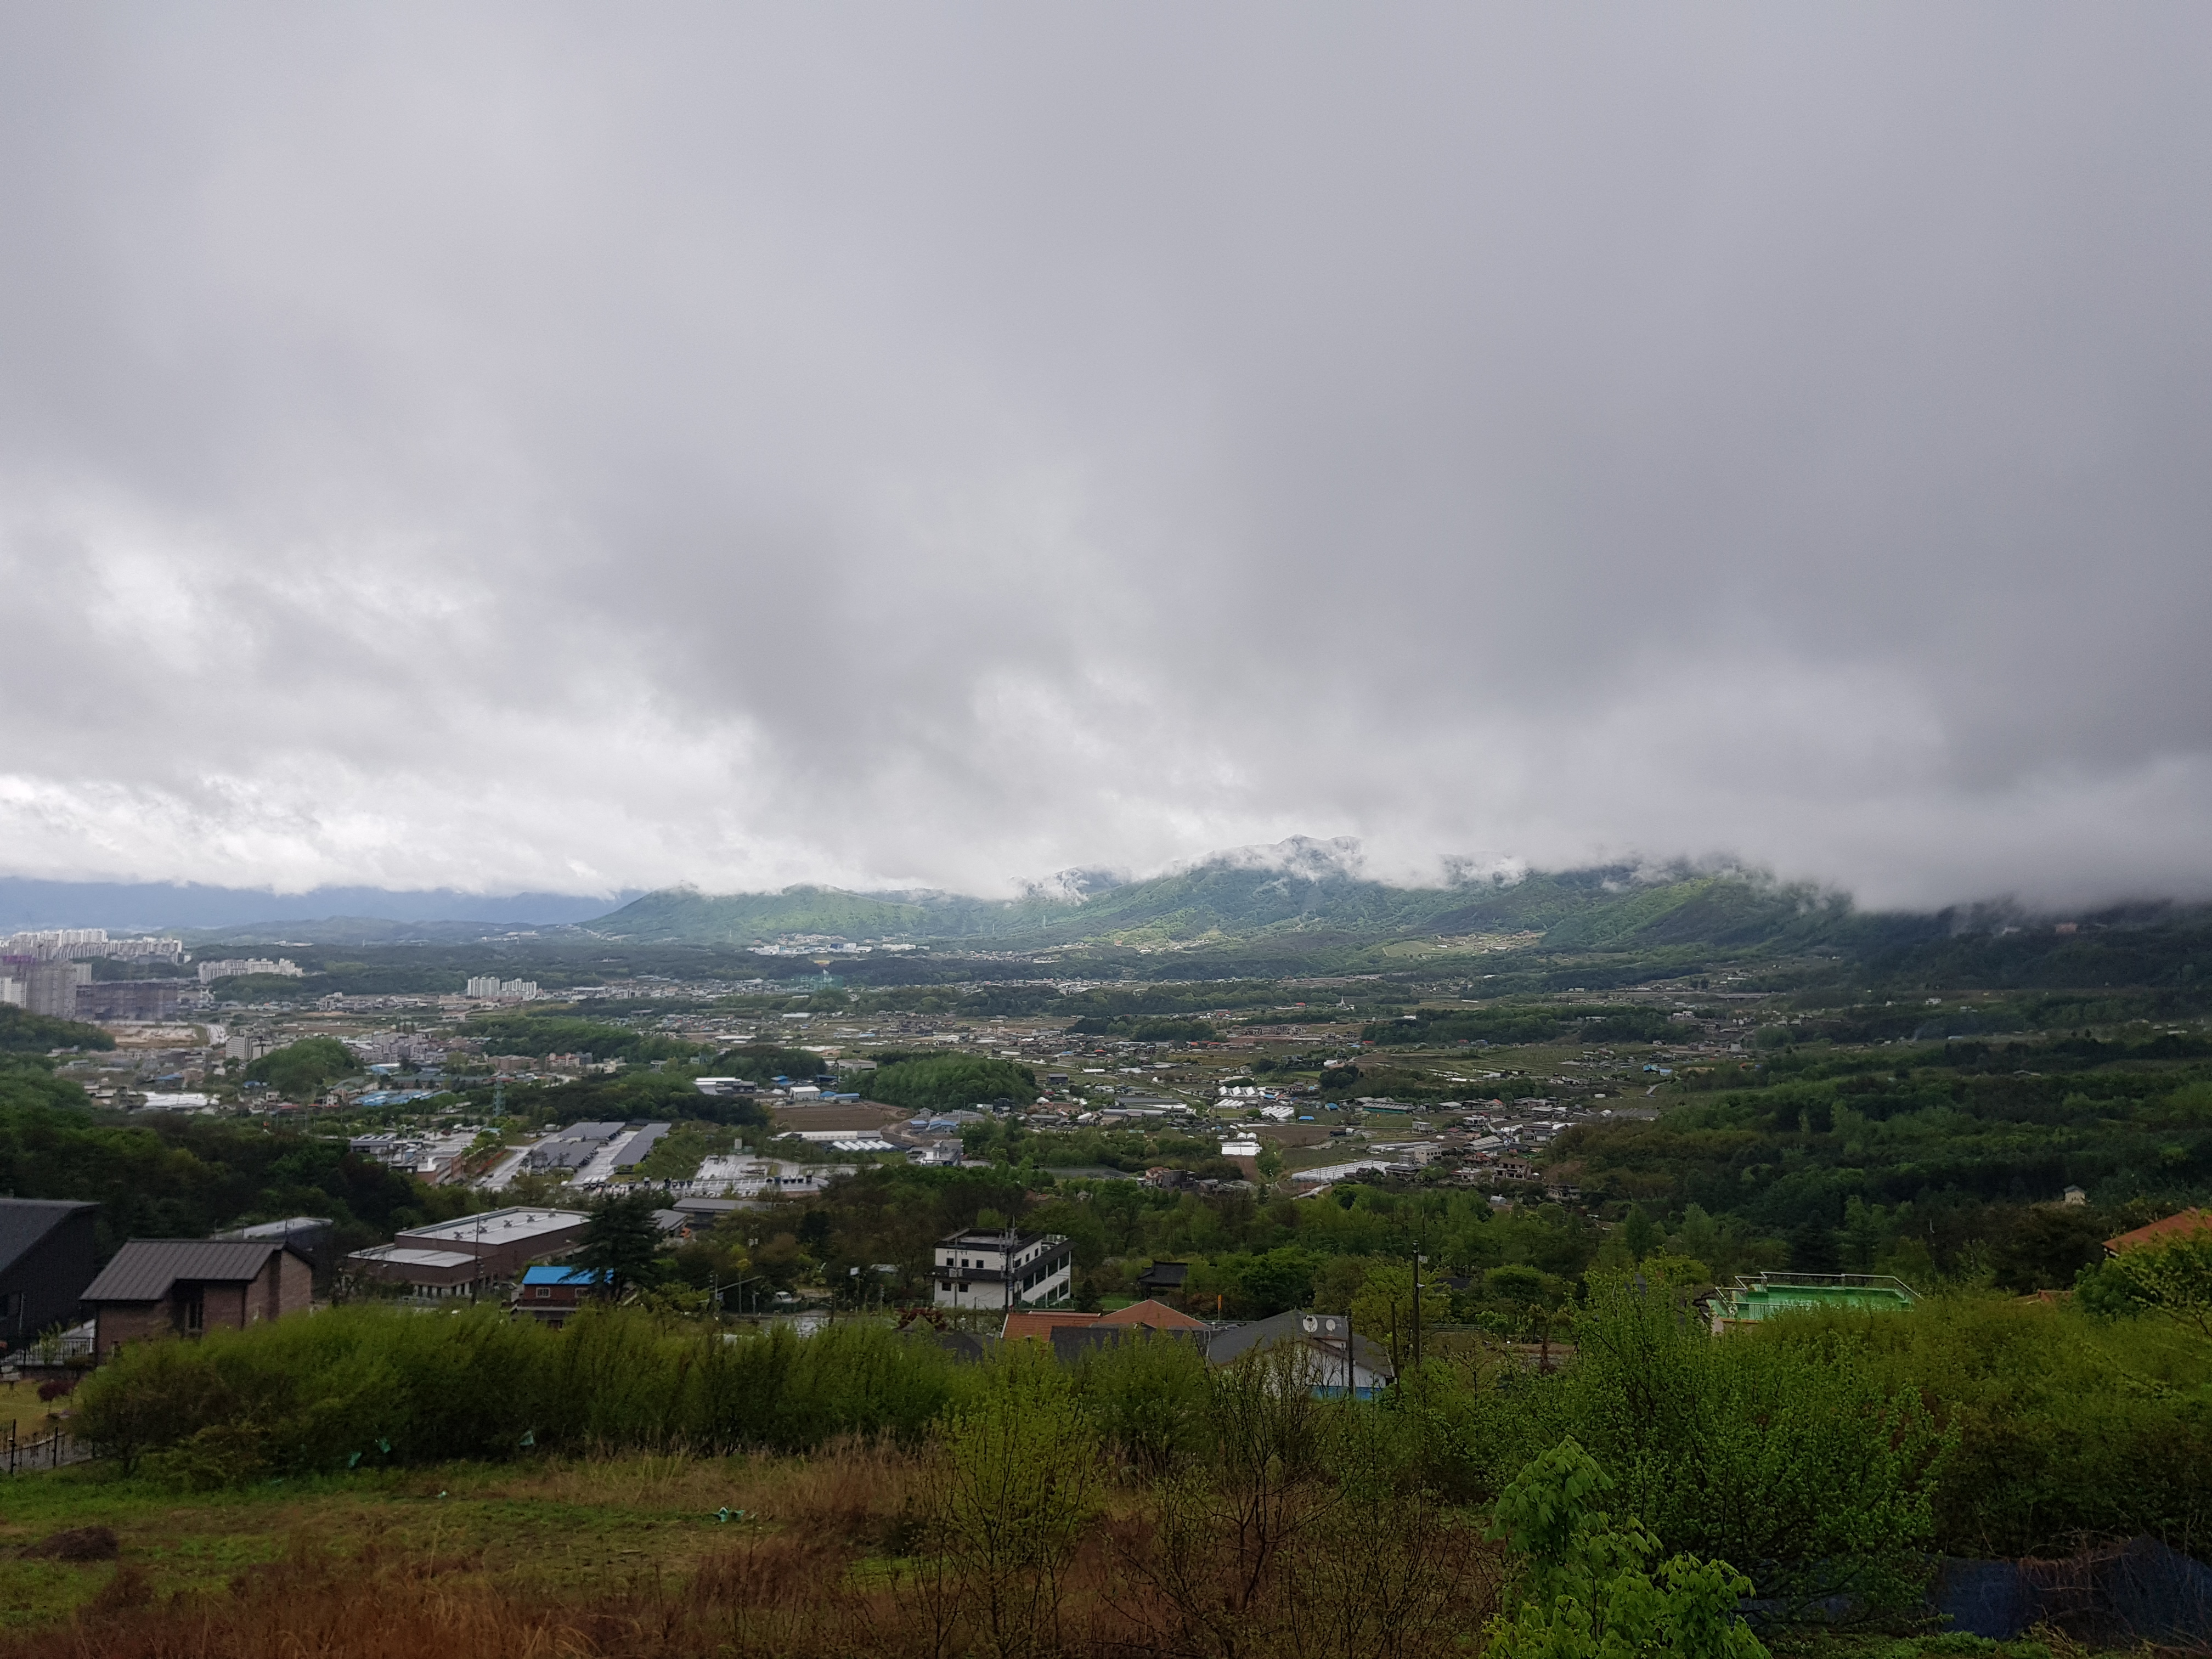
(185, 1178)
(940, 1083)
(1165, 1028)
(618, 1096)
(299, 1070)
(1936, 1161)
(538, 1035)
(22, 1033)
(1820, 1453)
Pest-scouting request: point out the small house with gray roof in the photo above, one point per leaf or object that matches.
(1324, 1352)
(159, 1287)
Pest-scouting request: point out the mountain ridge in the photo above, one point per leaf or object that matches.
(1299, 887)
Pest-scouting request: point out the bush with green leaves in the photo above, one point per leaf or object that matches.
(369, 1384)
(1586, 1590)
(1147, 1394)
(1018, 1489)
(300, 1069)
(1797, 1459)
(2066, 1424)
(2172, 1276)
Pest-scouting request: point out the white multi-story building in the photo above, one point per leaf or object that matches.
(238, 967)
(44, 985)
(1004, 1270)
(490, 987)
(82, 944)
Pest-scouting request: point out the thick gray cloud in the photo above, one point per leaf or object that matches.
(549, 446)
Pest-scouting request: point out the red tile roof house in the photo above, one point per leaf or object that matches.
(2162, 1233)
(157, 1287)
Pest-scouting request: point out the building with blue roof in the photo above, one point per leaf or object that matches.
(551, 1293)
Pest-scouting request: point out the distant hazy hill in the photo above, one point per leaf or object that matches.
(131, 907)
(685, 913)
(1300, 887)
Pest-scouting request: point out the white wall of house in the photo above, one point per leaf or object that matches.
(972, 1271)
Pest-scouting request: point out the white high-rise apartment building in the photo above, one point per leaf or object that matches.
(490, 987)
(238, 967)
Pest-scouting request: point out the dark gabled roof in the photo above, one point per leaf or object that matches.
(1240, 1339)
(143, 1269)
(966, 1346)
(25, 1222)
(1164, 1275)
(1070, 1343)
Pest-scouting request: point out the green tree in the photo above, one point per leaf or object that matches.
(2048, 1247)
(1019, 1488)
(2174, 1277)
(1384, 1311)
(1584, 1590)
(1783, 1450)
(1638, 1233)
(621, 1240)
(33, 1034)
(301, 1069)
(1530, 1303)
(938, 1083)
(1861, 1239)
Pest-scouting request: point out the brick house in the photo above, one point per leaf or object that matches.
(550, 1294)
(159, 1287)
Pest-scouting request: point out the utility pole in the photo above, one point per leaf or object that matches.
(1420, 1260)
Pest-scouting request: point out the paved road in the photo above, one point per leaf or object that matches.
(504, 1171)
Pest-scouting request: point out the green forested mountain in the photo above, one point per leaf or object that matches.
(1301, 907)
(1298, 888)
(686, 914)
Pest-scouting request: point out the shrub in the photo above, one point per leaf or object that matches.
(1147, 1396)
(2066, 1426)
(1584, 1587)
(370, 1384)
(1794, 1457)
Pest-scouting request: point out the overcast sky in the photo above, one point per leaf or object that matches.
(579, 447)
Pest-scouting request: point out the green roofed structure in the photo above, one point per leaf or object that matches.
(1763, 1296)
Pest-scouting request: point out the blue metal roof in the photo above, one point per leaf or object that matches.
(560, 1276)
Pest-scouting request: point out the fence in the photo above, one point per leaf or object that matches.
(51, 1450)
(2115, 1595)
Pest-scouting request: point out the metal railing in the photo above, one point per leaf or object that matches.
(1777, 1279)
(51, 1450)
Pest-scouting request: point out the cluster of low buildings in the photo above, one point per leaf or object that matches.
(466, 1258)
(1027, 1275)
(593, 1153)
